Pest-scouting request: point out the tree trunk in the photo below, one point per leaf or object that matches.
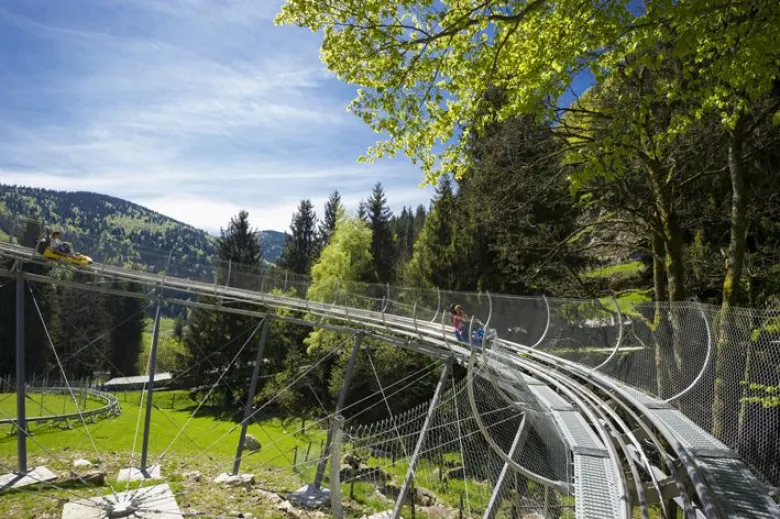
(670, 226)
(659, 262)
(727, 352)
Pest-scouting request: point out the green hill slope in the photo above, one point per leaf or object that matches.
(118, 231)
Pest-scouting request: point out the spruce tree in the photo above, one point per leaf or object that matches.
(333, 207)
(301, 246)
(382, 241)
(126, 322)
(210, 330)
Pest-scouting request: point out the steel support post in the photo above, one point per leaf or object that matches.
(495, 498)
(399, 503)
(21, 416)
(250, 396)
(336, 425)
(339, 404)
(150, 387)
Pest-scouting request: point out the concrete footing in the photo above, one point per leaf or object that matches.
(33, 477)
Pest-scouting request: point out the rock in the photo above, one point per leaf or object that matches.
(424, 497)
(289, 509)
(251, 443)
(456, 473)
(82, 463)
(269, 496)
(193, 476)
(234, 481)
(97, 479)
(387, 514)
(352, 460)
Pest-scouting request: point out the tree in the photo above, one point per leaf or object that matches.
(126, 322)
(178, 327)
(215, 338)
(300, 248)
(434, 256)
(422, 66)
(333, 209)
(382, 243)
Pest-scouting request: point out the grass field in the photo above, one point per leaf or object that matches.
(45, 404)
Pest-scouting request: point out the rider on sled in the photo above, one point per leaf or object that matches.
(59, 246)
(463, 324)
(459, 319)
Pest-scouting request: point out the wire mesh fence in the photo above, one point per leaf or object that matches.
(720, 367)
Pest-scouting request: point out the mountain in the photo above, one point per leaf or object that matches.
(116, 230)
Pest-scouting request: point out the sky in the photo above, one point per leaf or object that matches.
(193, 108)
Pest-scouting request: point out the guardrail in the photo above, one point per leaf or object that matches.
(110, 409)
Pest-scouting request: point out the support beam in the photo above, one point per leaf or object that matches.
(336, 424)
(21, 415)
(517, 443)
(150, 389)
(399, 503)
(250, 396)
(339, 405)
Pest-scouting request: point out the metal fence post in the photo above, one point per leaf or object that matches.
(150, 386)
(337, 423)
(342, 396)
(21, 416)
(445, 371)
(250, 396)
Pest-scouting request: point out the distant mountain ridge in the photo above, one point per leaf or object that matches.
(119, 226)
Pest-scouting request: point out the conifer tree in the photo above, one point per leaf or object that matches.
(382, 242)
(126, 321)
(328, 224)
(300, 249)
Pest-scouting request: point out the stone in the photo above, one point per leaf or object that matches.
(82, 463)
(193, 476)
(231, 480)
(269, 496)
(352, 460)
(289, 509)
(456, 473)
(424, 497)
(346, 472)
(251, 443)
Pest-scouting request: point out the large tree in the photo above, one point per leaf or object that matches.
(300, 248)
(125, 320)
(333, 210)
(382, 240)
(214, 338)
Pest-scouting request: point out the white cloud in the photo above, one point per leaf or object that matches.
(198, 108)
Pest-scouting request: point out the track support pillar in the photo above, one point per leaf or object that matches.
(250, 396)
(517, 443)
(21, 383)
(408, 480)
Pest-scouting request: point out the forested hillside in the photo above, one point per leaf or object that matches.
(119, 231)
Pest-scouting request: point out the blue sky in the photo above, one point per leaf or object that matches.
(194, 108)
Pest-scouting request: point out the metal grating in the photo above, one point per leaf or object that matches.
(577, 431)
(552, 399)
(736, 489)
(693, 437)
(595, 488)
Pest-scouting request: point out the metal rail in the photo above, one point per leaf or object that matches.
(572, 379)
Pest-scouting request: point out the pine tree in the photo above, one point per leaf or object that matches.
(126, 321)
(211, 330)
(301, 247)
(434, 257)
(382, 242)
(333, 208)
(178, 328)
(362, 210)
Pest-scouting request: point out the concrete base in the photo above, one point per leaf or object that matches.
(134, 474)
(35, 476)
(310, 497)
(156, 502)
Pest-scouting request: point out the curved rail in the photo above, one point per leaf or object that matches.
(426, 337)
(110, 409)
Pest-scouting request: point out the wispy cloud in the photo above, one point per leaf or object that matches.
(196, 107)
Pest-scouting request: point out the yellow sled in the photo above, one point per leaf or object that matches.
(73, 258)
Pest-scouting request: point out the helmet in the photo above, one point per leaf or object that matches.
(452, 308)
